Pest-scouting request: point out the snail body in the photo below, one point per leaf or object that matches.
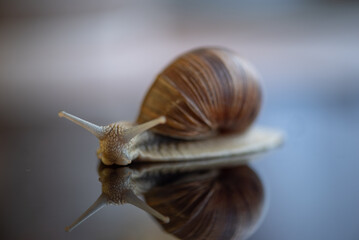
(200, 106)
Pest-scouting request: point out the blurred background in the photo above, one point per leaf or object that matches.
(96, 59)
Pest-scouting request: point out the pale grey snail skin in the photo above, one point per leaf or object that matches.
(201, 106)
(118, 141)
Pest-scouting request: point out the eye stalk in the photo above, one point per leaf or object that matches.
(117, 140)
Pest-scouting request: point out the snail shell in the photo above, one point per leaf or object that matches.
(203, 92)
(198, 107)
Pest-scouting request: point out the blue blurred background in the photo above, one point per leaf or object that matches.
(97, 59)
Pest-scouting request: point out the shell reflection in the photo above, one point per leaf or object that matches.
(209, 199)
(217, 204)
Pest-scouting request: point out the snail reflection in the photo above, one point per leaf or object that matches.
(217, 204)
(212, 199)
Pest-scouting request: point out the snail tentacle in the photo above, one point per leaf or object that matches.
(96, 130)
(137, 130)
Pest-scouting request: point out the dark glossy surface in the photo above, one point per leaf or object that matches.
(48, 177)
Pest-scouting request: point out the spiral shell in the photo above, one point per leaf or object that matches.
(203, 92)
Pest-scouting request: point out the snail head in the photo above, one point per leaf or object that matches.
(117, 140)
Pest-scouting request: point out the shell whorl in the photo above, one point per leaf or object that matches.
(201, 93)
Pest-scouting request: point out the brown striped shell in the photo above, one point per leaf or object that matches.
(201, 93)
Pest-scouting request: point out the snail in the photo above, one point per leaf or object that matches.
(158, 183)
(201, 106)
